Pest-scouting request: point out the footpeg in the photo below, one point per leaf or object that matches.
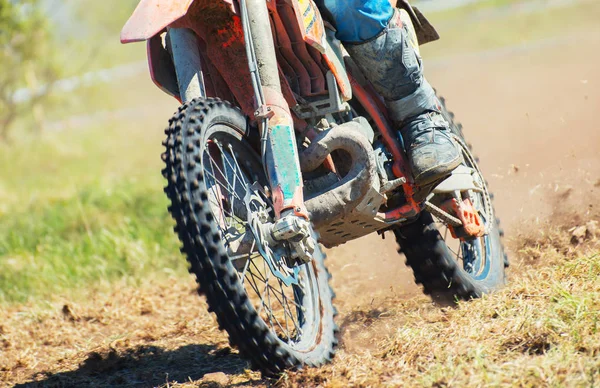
(471, 224)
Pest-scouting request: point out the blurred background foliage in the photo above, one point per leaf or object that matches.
(43, 41)
(81, 200)
(28, 58)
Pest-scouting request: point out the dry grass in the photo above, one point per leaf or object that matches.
(541, 330)
(149, 335)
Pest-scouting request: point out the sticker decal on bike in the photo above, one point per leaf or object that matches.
(285, 171)
(310, 19)
(309, 14)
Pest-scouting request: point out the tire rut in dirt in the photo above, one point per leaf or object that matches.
(202, 243)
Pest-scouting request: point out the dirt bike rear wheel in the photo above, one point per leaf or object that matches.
(211, 169)
(440, 262)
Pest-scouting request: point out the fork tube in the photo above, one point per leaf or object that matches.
(263, 43)
(188, 67)
(280, 152)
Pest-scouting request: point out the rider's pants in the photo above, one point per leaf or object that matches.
(386, 51)
(357, 21)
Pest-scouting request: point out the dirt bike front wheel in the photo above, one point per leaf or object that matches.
(279, 315)
(447, 267)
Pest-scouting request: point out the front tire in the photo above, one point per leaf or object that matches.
(210, 167)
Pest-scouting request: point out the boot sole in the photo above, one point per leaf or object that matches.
(438, 172)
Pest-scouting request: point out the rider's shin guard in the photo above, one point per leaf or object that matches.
(391, 61)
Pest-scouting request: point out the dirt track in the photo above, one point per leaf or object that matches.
(532, 118)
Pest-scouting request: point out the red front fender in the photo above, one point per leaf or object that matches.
(152, 16)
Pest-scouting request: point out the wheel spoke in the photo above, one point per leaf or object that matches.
(270, 309)
(287, 306)
(244, 181)
(262, 299)
(248, 261)
(221, 184)
(293, 302)
(454, 252)
(217, 196)
(269, 288)
(471, 253)
(262, 279)
(235, 168)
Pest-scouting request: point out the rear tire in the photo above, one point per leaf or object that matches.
(195, 128)
(436, 267)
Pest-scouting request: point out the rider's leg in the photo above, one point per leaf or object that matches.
(385, 49)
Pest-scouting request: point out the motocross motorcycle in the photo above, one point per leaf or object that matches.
(281, 146)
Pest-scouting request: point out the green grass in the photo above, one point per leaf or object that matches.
(542, 330)
(49, 166)
(81, 208)
(98, 234)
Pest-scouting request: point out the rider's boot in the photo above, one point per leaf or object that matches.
(392, 63)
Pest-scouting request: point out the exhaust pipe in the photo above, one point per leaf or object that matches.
(340, 199)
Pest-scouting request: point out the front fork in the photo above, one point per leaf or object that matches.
(278, 146)
(278, 142)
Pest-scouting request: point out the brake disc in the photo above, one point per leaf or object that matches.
(258, 222)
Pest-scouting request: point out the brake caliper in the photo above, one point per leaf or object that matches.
(295, 231)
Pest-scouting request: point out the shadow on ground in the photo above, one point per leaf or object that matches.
(147, 366)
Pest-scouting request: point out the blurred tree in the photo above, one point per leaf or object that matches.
(28, 59)
(98, 24)
(103, 17)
